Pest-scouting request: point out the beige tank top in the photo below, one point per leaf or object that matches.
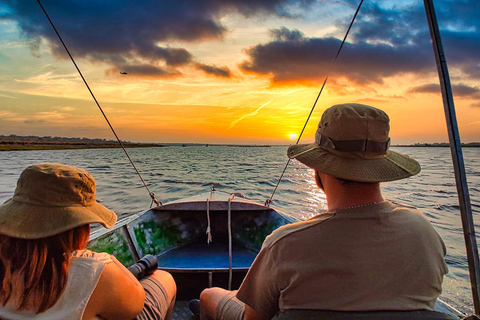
(83, 274)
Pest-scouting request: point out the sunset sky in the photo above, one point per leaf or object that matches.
(232, 71)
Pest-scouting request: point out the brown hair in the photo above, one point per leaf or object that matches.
(38, 267)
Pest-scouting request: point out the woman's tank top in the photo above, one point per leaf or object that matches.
(83, 274)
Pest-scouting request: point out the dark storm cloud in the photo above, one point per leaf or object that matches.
(33, 121)
(459, 23)
(297, 58)
(171, 56)
(216, 71)
(146, 70)
(426, 88)
(119, 31)
(396, 26)
(383, 43)
(466, 91)
(284, 34)
(460, 90)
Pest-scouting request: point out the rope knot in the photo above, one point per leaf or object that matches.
(157, 202)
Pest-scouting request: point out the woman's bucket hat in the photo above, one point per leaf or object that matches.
(352, 143)
(51, 198)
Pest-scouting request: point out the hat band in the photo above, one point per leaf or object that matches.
(352, 145)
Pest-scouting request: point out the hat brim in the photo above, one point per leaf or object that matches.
(27, 221)
(392, 166)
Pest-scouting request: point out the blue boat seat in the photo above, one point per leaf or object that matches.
(297, 314)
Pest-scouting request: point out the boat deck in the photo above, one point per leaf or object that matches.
(182, 312)
(197, 258)
(204, 257)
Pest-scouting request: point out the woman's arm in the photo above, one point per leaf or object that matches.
(118, 294)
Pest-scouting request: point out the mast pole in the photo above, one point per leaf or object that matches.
(457, 156)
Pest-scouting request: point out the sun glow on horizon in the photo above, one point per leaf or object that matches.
(292, 136)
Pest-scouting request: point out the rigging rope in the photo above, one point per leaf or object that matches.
(151, 194)
(269, 200)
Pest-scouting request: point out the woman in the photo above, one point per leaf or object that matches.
(45, 270)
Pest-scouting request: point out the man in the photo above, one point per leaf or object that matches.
(364, 253)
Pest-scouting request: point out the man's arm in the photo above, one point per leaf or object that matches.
(260, 290)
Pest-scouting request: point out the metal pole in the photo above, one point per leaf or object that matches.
(457, 156)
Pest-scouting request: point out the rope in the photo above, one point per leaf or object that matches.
(230, 253)
(209, 230)
(151, 194)
(269, 200)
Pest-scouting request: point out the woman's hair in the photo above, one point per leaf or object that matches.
(38, 267)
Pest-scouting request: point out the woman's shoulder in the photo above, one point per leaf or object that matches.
(88, 254)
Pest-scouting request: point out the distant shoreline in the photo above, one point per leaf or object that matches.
(62, 146)
(30, 146)
(25, 143)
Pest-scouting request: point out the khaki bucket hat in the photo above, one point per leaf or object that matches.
(51, 198)
(352, 143)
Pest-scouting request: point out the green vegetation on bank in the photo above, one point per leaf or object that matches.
(16, 143)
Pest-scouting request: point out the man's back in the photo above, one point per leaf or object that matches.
(384, 256)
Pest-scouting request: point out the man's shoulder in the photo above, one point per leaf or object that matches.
(401, 205)
(407, 209)
(285, 231)
(409, 217)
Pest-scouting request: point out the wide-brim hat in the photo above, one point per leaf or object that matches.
(52, 198)
(352, 143)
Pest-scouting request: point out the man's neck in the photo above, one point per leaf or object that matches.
(344, 203)
(340, 195)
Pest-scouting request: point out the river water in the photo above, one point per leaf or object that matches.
(176, 172)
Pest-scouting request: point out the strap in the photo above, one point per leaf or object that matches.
(352, 145)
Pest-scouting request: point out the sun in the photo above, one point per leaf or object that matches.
(293, 136)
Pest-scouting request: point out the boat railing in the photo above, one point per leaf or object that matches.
(124, 231)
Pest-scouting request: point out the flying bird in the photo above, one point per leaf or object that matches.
(123, 72)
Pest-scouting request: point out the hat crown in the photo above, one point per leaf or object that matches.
(51, 198)
(354, 122)
(55, 185)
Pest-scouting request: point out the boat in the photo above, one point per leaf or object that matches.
(207, 240)
(212, 239)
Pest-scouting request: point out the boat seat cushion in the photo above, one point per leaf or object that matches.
(297, 314)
